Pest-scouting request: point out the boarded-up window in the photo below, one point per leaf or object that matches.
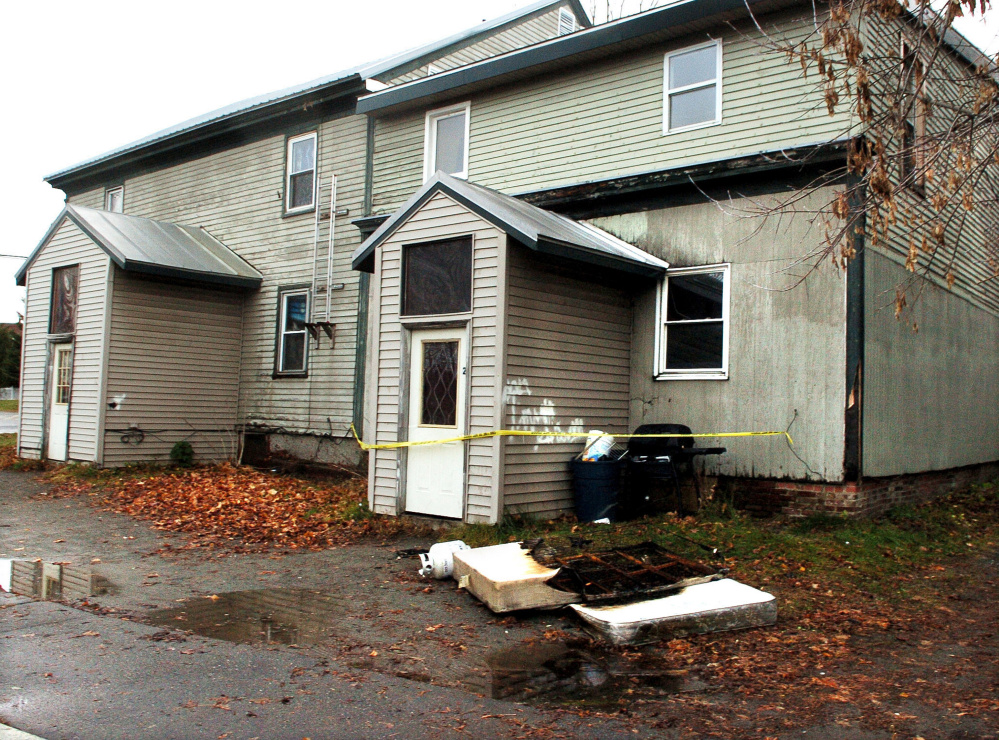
(437, 278)
(65, 284)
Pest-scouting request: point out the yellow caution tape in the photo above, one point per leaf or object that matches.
(520, 433)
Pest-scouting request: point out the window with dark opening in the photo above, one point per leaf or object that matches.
(694, 339)
(440, 384)
(65, 282)
(437, 278)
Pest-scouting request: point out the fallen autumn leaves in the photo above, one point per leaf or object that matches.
(240, 507)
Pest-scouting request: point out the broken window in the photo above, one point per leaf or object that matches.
(693, 341)
(447, 142)
(437, 278)
(915, 110)
(301, 181)
(293, 344)
(62, 318)
(114, 200)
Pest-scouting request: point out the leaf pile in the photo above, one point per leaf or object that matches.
(241, 508)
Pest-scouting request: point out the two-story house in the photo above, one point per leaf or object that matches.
(560, 237)
(665, 131)
(198, 286)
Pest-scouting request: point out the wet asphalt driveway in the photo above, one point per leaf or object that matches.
(347, 642)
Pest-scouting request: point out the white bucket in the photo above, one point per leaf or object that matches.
(597, 446)
(439, 562)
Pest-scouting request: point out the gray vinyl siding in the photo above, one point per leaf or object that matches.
(238, 196)
(930, 397)
(174, 355)
(93, 198)
(525, 33)
(440, 217)
(787, 355)
(568, 349)
(969, 249)
(605, 119)
(67, 246)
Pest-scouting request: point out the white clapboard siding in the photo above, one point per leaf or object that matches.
(67, 246)
(568, 369)
(439, 218)
(604, 119)
(174, 356)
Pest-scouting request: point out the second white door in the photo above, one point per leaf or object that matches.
(435, 473)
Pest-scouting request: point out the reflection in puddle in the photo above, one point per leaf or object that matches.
(284, 616)
(53, 581)
(556, 673)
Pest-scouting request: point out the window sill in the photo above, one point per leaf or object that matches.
(709, 375)
(298, 212)
(60, 338)
(284, 376)
(444, 319)
(692, 127)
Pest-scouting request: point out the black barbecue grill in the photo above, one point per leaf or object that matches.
(652, 461)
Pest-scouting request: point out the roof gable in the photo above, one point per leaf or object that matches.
(535, 228)
(154, 247)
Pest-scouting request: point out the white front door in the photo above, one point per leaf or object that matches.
(62, 379)
(435, 474)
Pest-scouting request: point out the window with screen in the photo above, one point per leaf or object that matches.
(692, 96)
(437, 278)
(65, 285)
(693, 338)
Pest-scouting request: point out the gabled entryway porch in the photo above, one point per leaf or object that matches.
(488, 314)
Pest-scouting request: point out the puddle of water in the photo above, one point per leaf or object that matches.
(277, 616)
(54, 581)
(560, 674)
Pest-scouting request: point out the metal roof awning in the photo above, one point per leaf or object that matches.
(537, 229)
(155, 248)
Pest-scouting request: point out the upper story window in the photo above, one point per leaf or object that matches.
(114, 200)
(694, 323)
(915, 105)
(437, 278)
(293, 342)
(446, 141)
(566, 22)
(62, 313)
(693, 93)
(301, 179)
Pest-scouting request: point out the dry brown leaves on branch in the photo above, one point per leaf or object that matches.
(242, 508)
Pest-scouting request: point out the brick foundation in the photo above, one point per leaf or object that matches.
(868, 498)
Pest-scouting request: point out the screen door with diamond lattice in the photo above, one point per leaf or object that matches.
(435, 474)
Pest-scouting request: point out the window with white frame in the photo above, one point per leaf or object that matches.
(566, 22)
(694, 323)
(693, 93)
(447, 141)
(114, 200)
(293, 340)
(301, 178)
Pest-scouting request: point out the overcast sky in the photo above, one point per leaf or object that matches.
(82, 77)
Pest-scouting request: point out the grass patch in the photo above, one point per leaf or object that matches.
(9, 406)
